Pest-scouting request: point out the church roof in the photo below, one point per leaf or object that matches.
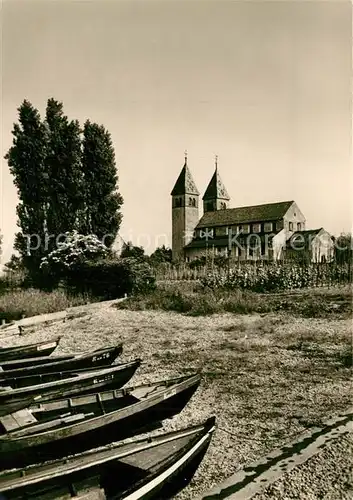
(185, 183)
(255, 213)
(304, 237)
(216, 188)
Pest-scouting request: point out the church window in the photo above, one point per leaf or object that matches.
(291, 226)
(178, 202)
(223, 205)
(299, 226)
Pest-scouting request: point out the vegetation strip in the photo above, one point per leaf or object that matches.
(251, 479)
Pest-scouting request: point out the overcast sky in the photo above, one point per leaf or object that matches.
(263, 84)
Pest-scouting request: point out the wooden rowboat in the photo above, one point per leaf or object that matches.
(154, 467)
(64, 384)
(13, 364)
(29, 350)
(59, 428)
(100, 357)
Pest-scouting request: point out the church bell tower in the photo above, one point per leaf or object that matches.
(185, 211)
(216, 196)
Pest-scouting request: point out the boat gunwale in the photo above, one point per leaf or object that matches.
(206, 428)
(87, 374)
(78, 357)
(4, 350)
(81, 426)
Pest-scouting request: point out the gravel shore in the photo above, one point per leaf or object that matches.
(266, 378)
(325, 476)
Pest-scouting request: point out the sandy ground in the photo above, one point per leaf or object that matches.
(266, 379)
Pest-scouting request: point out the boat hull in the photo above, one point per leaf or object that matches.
(136, 418)
(108, 378)
(29, 351)
(101, 357)
(152, 468)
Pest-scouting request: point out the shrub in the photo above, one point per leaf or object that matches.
(73, 252)
(110, 278)
(196, 303)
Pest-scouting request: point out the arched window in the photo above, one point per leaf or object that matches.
(223, 205)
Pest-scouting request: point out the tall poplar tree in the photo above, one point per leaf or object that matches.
(102, 200)
(63, 163)
(27, 161)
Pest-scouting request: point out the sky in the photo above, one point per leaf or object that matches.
(265, 85)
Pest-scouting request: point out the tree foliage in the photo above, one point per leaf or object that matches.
(66, 180)
(344, 248)
(64, 168)
(14, 264)
(102, 201)
(27, 161)
(129, 250)
(161, 255)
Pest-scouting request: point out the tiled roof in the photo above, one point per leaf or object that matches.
(216, 188)
(303, 237)
(256, 213)
(185, 183)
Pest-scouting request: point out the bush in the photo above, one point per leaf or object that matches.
(200, 303)
(110, 278)
(70, 254)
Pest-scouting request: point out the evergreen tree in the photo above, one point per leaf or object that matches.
(64, 168)
(26, 159)
(102, 200)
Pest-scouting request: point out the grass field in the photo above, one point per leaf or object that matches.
(266, 377)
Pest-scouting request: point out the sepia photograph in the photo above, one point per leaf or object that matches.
(176, 250)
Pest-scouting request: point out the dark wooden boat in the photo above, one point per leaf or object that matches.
(58, 428)
(13, 364)
(64, 384)
(100, 357)
(29, 351)
(154, 467)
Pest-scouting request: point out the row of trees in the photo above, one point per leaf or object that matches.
(66, 180)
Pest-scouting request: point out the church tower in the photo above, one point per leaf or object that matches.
(216, 196)
(185, 211)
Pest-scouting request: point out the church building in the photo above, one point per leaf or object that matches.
(269, 231)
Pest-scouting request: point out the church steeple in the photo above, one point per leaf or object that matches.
(185, 183)
(185, 211)
(216, 196)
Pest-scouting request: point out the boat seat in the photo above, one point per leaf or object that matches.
(17, 420)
